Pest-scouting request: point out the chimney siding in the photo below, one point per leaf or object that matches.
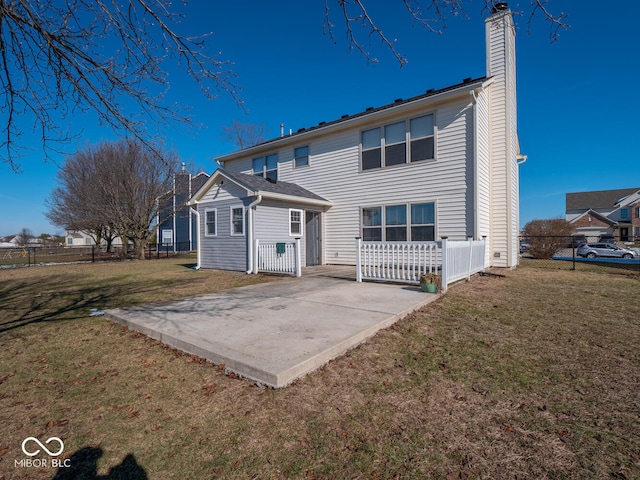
(504, 229)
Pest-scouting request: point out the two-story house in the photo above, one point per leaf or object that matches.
(600, 213)
(440, 164)
(175, 224)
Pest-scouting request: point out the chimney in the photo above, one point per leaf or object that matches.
(501, 68)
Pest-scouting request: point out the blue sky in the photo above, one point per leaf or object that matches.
(577, 101)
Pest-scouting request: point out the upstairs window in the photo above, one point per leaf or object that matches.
(395, 144)
(398, 143)
(371, 150)
(624, 214)
(301, 157)
(266, 167)
(422, 144)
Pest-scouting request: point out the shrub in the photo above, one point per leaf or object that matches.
(546, 237)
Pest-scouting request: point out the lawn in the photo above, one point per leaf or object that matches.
(535, 375)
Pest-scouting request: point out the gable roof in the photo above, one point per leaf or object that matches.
(597, 199)
(629, 200)
(256, 186)
(460, 88)
(593, 213)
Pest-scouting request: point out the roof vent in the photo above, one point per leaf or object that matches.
(397, 100)
(369, 109)
(346, 115)
(466, 80)
(322, 123)
(301, 130)
(270, 180)
(431, 90)
(500, 7)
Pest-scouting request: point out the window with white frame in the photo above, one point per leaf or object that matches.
(266, 167)
(211, 222)
(398, 143)
(399, 223)
(423, 222)
(237, 220)
(295, 222)
(301, 157)
(372, 224)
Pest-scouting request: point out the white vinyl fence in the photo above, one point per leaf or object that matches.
(278, 257)
(407, 261)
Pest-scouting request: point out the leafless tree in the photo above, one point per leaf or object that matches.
(356, 21)
(61, 57)
(546, 237)
(244, 135)
(112, 188)
(25, 236)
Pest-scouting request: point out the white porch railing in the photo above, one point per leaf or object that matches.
(398, 261)
(278, 257)
(407, 261)
(462, 259)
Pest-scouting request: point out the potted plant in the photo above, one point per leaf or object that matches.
(429, 282)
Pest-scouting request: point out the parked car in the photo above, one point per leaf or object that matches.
(607, 239)
(524, 247)
(592, 250)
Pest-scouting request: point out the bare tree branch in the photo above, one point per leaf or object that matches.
(432, 15)
(62, 57)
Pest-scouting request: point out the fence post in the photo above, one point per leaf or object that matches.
(470, 239)
(358, 260)
(444, 280)
(93, 254)
(256, 254)
(298, 258)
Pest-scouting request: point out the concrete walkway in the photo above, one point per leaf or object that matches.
(276, 332)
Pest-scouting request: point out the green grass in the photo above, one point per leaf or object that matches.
(534, 375)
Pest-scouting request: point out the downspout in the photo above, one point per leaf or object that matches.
(250, 241)
(199, 250)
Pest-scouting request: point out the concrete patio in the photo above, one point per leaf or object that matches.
(275, 333)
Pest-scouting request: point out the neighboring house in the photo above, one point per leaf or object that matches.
(176, 224)
(441, 164)
(606, 212)
(77, 238)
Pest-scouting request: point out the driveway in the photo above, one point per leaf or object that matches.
(275, 333)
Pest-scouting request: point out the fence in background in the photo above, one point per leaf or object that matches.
(42, 255)
(604, 254)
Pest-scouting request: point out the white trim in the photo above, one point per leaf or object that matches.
(231, 209)
(302, 216)
(215, 224)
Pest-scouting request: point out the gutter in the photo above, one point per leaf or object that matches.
(250, 241)
(199, 251)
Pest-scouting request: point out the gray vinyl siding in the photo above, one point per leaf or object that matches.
(271, 224)
(224, 251)
(334, 173)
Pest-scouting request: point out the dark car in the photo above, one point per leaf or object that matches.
(592, 250)
(607, 239)
(577, 240)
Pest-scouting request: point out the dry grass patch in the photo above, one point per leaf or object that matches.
(530, 376)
